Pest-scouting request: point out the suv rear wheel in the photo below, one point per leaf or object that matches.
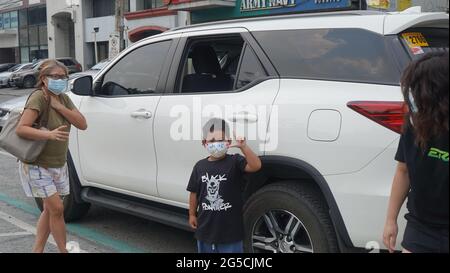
(29, 82)
(288, 217)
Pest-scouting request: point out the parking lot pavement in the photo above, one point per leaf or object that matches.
(10, 93)
(101, 230)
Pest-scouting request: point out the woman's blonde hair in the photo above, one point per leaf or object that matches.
(46, 68)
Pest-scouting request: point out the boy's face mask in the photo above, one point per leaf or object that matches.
(217, 149)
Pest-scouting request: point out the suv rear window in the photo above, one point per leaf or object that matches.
(353, 55)
(419, 41)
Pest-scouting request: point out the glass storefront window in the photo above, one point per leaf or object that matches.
(24, 55)
(43, 35)
(43, 52)
(33, 35)
(1, 21)
(37, 16)
(103, 8)
(13, 19)
(152, 4)
(34, 53)
(23, 36)
(6, 20)
(23, 17)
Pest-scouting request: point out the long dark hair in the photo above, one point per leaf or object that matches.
(425, 88)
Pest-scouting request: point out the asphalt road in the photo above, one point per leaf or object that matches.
(102, 230)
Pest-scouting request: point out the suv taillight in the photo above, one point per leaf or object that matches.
(389, 114)
(79, 67)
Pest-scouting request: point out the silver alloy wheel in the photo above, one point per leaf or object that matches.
(279, 231)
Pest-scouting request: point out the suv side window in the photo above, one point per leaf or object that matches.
(137, 73)
(353, 55)
(210, 64)
(250, 70)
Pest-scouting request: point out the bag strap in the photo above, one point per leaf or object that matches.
(43, 118)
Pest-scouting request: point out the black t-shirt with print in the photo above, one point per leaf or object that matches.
(218, 185)
(428, 174)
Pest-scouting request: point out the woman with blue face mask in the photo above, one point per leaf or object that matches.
(47, 177)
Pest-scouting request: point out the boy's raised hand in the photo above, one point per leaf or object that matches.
(241, 142)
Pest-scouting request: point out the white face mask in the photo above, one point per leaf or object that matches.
(217, 149)
(412, 103)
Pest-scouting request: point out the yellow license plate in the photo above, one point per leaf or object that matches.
(415, 39)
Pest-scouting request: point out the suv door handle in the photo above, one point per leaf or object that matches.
(244, 116)
(142, 114)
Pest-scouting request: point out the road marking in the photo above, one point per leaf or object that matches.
(30, 230)
(7, 154)
(77, 229)
(11, 234)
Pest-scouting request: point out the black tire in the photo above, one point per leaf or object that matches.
(73, 210)
(29, 82)
(301, 200)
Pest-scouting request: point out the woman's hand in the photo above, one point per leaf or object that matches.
(56, 104)
(59, 134)
(390, 235)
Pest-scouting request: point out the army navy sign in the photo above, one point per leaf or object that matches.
(249, 8)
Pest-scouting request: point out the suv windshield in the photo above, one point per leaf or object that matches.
(14, 68)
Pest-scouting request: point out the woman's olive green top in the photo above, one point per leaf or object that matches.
(54, 154)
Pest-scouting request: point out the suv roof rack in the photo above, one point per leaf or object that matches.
(283, 16)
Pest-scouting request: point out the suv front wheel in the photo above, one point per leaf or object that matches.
(72, 209)
(288, 217)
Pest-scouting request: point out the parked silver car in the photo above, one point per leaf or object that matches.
(5, 76)
(8, 106)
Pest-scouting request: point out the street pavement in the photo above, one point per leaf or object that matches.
(101, 230)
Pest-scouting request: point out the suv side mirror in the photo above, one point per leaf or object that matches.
(82, 86)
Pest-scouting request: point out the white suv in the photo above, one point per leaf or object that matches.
(322, 90)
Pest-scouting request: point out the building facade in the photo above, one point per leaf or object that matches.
(399, 5)
(77, 27)
(212, 10)
(23, 31)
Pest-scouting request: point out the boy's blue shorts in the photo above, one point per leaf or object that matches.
(237, 247)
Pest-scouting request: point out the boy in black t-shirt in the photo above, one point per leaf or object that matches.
(215, 202)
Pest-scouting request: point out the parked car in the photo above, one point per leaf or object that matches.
(72, 65)
(329, 85)
(93, 71)
(5, 77)
(27, 78)
(6, 66)
(19, 103)
(8, 106)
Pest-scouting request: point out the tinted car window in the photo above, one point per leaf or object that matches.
(354, 55)
(137, 73)
(210, 65)
(251, 69)
(419, 41)
(67, 62)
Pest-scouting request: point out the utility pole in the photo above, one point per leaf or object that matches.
(119, 11)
